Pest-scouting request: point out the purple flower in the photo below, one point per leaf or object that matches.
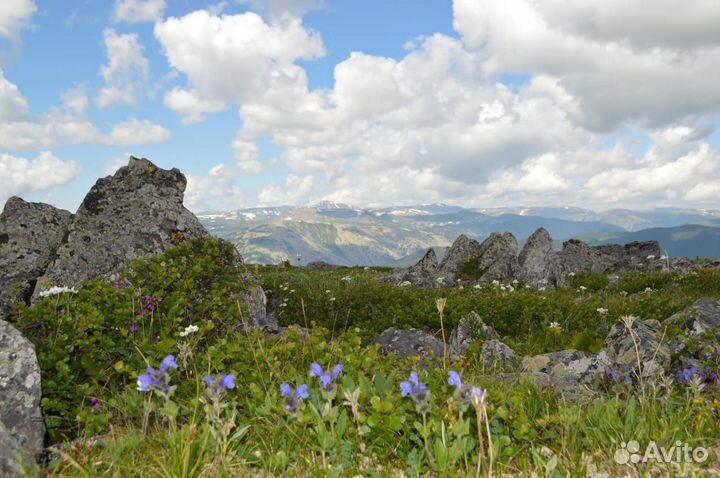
(221, 385)
(326, 380)
(293, 397)
(684, 376)
(157, 379)
(133, 328)
(95, 403)
(454, 379)
(415, 389)
(468, 394)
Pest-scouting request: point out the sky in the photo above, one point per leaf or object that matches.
(479, 103)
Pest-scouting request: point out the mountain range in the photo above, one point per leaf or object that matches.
(341, 234)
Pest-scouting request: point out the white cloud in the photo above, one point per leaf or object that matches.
(112, 165)
(297, 190)
(75, 100)
(192, 108)
(21, 175)
(233, 57)
(134, 132)
(217, 190)
(126, 72)
(641, 64)
(14, 15)
(138, 11)
(13, 104)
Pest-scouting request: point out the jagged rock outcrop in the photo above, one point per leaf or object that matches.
(701, 317)
(422, 274)
(498, 258)
(457, 255)
(538, 263)
(30, 233)
(576, 256)
(20, 391)
(409, 342)
(134, 213)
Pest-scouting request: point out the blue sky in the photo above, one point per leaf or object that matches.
(261, 102)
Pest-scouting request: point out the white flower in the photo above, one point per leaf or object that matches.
(602, 311)
(496, 282)
(332, 299)
(477, 286)
(405, 283)
(515, 281)
(346, 279)
(555, 327)
(648, 289)
(440, 279)
(663, 257)
(541, 289)
(582, 288)
(650, 257)
(327, 291)
(571, 274)
(55, 290)
(190, 329)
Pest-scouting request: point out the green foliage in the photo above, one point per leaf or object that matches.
(85, 342)
(86, 350)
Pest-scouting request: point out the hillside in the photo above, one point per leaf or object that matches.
(345, 235)
(683, 241)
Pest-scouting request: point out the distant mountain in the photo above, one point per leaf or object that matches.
(346, 235)
(682, 241)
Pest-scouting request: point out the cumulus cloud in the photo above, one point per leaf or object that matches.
(297, 190)
(135, 131)
(217, 190)
(75, 100)
(13, 104)
(20, 175)
(138, 11)
(14, 15)
(623, 64)
(190, 106)
(126, 72)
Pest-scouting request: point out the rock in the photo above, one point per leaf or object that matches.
(134, 213)
(422, 274)
(457, 255)
(538, 263)
(466, 331)
(498, 258)
(409, 342)
(702, 317)
(622, 348)
(576, 256)
(547, 362)
(496, 355)
(14, 459)
(20, 390)
(256, 302)
(30, 233)
(428, 264)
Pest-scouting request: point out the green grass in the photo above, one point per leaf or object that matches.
(364, 427)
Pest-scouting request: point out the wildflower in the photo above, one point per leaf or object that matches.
(157, 379)
(55, 290)
(292, 397)
(477, 286)
(405, 283)
(346, 279)
(95, 403)
(571, 274)
(190, 329)
(495, 282)
(221, 385)
(648, 290)
(651, 257)
(555, 327)
(327, 291)
(582, 288)
(326, 379)
(470, 395)
(415, 389)
(541, 289)
(151, 304)
(684, 376)
(133, 328)
(121, 282)
(602, 311)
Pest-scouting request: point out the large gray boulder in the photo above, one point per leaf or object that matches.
(700, 318)
(30, 233)
(14, 459)
(634, 349)
(538, 263)
(498, 258)
(457, 255)
(576, 256)
(410, 342)
(496, 355)
(20, 390)
(134, 213)
(468, 329)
